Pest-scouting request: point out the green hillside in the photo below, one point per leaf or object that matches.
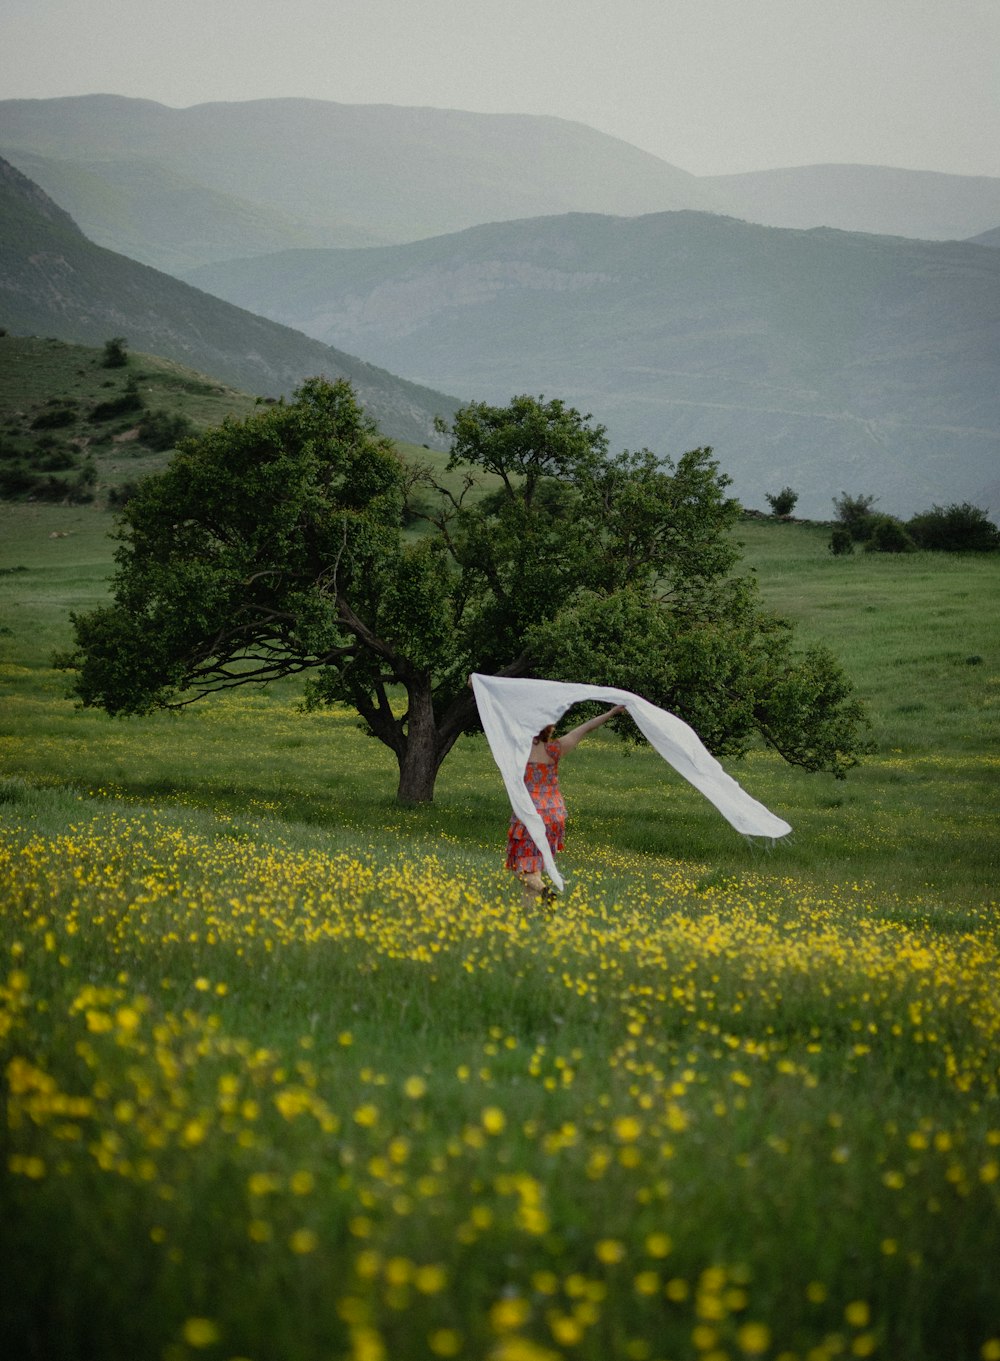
(53, 281)
(49, 391)
(823, 360)
(36, 373)
(61, 435)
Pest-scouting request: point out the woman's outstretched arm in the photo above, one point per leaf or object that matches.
(576, 735)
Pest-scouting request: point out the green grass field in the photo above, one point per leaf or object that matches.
(290, 1074)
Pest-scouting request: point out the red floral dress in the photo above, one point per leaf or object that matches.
(542, 782)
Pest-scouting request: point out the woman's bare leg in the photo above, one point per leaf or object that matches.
(532, 886)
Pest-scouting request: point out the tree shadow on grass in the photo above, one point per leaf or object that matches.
(363, 809)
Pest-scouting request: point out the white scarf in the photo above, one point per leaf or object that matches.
(513, 711)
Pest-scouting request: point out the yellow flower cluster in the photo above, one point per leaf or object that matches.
(725, 1121)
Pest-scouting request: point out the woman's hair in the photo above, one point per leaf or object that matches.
(545, 734)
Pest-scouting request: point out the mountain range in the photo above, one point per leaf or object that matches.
(523, 254)
(53, 281)
(323, 173)
(864, 198)
(177, 188)
(821, 359)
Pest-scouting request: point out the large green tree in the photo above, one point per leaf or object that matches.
(298, 540)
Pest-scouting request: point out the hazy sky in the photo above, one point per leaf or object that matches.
(713, 86)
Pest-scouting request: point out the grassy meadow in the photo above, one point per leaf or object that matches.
(289, 1073)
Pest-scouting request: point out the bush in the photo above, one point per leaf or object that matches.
(955, 529)
(129, 401)
(121, 496)
(80, 489)
(115, 353)
(782, 502)
(888, 535)
(56, 460)
(841, 542)
(160, 430)
(55, 417)
(855, 514)
(16, 479)
(51, 488)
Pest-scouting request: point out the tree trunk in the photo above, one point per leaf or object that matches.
(421, 759)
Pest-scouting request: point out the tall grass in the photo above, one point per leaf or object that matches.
(290, 1073)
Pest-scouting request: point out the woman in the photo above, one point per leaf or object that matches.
(541, 776)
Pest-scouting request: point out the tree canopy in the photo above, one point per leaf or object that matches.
(297, 540)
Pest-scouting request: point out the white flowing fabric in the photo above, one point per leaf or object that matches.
(513, 711)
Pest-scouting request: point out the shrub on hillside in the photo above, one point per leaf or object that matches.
(16, 479)
(955, 529)
(115, 353)
(888, 535)
(51, 488)
(841, 542)
(56, 416)
(782, 502)
(130, 400)
(12, 451)
(160, 430)
(80, 489)
(855, 514)
(56, 459)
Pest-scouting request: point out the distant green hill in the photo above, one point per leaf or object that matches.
(57, 417)
(72, 429)
(824, 360)
(53, 281)
(38, 372)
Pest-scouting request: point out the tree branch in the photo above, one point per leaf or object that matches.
(351, 621)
